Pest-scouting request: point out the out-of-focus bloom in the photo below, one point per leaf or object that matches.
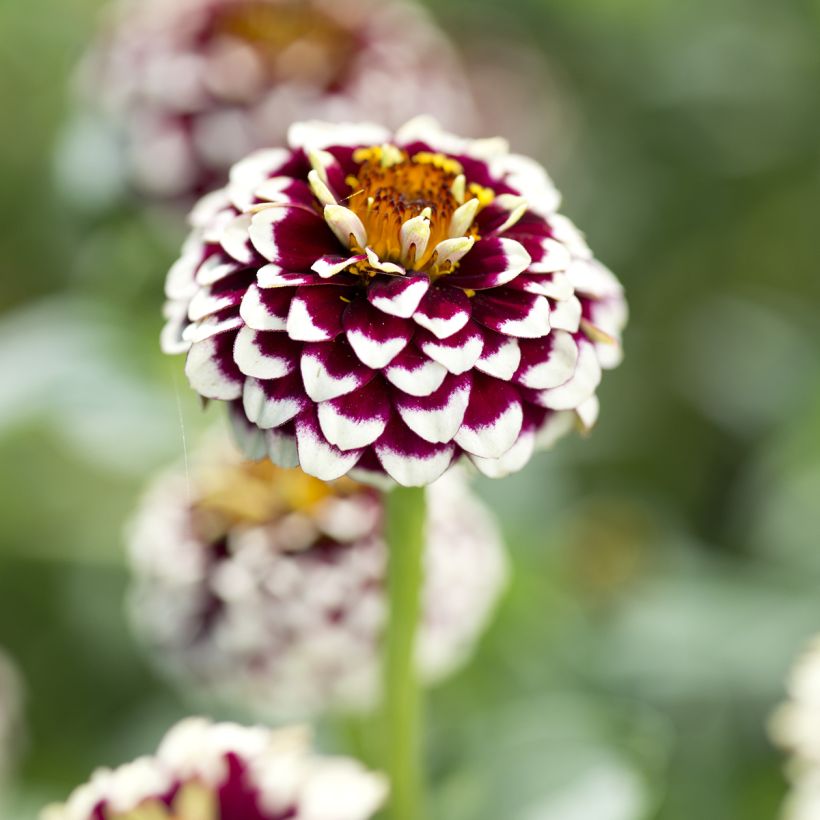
(11, 707)
(795, 726)
(191, 86)
(222, 771)
(375, 303)
(265, 587)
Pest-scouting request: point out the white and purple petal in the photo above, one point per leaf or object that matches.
(547, 362)
(580, 386)
(315, 314)
(437, 417)
(332, 369)
(500, 355)
(266, 308)
(443, 311)
(317, 456)
(492, 262)
(356, 419)
(211, 369)
(414, 373)
(265, 354)
(493, 419)
(513, 313)
(329, 266)
(273, 402)
(458, 353)
(376, 337)
(410, 460)
(566, 314)
(293, 237)
(236, 241)
(398, 296)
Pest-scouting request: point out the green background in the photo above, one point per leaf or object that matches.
(666, 569)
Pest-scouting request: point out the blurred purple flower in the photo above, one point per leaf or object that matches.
(188, 87)
(265, 587)
(222, 771)
(381, 304)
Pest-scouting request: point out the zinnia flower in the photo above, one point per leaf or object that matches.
(265, 587)
(382, 304)
(222, 771)
(190, 86)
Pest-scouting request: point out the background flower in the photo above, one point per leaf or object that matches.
(175, 91)
(265, 587)
(222, 771)
(381, 304)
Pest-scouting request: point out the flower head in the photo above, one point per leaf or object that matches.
(222, 771)
(381, 304)
(191, 86)
(264, 586)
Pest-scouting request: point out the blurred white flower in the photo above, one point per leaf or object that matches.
(191, 86)
(265, 586)
(222, 771)
(795, 726)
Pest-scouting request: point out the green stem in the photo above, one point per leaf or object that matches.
(405, 532)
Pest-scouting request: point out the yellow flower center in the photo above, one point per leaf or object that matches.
(294, 40)
(253, 493)
(391, 187)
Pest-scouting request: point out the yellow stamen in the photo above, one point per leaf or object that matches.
(256, 492)
(391, 187)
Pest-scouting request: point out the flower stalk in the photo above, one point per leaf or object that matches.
(405, 517)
